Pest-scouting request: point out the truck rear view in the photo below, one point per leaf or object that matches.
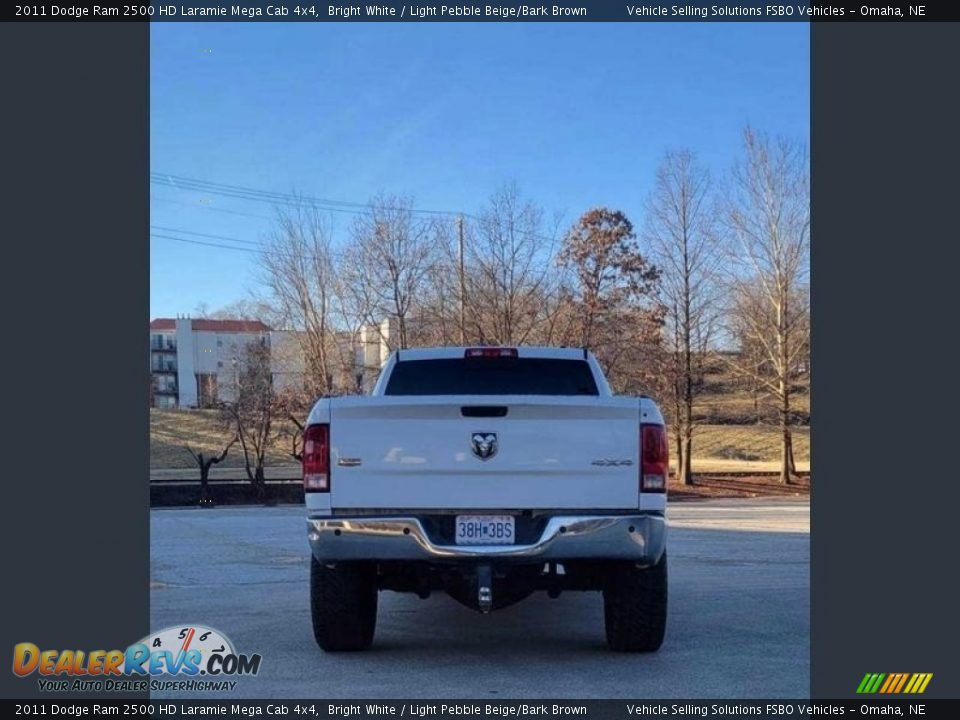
(489, 474)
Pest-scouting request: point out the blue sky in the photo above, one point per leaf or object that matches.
(577, 115)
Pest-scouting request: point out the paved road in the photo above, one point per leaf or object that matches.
(738, 625)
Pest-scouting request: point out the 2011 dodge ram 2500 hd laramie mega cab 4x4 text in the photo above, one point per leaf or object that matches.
(487, 473)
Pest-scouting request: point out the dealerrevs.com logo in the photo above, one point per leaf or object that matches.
(894, 683)
(189, 657)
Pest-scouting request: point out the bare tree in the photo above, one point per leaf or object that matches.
(768, 218)
(750, 369)
(298, 269)
(251, 308)
(508, 261)
(295, 407)
(387, 264)
(205, 462)
(435, 309)
(252, 413)
(681, 229)
(296, 438)
(439, 318)
(612, 292)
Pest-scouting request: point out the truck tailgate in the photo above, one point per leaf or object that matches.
(482, 452)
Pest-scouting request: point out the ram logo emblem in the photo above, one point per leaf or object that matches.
(484, 444)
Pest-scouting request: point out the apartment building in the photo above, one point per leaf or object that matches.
(195, 361)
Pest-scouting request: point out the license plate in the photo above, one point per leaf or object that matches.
(484, 530)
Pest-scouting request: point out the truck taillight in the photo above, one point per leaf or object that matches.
(316, 458)
(490, 352)
(655, 460)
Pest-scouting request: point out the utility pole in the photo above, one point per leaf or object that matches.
(463, 292)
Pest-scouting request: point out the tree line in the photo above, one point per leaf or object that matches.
(717, 272)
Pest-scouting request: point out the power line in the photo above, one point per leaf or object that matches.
(178, 180)
(266, 196)
(209, 207)
(272, 201)
(207, 244)
(260, 250)
(206, 235)
(182, 183)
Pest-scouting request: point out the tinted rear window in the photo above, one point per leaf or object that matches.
(496, 376)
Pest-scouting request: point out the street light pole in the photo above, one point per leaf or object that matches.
(463, 292)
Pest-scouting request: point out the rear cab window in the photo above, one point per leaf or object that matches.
(492, 376)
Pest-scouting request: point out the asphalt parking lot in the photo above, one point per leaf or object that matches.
(738, 623)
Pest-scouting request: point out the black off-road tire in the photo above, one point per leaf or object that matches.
(635, 607)
(343, 605)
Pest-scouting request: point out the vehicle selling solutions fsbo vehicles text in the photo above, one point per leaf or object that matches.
(641, 12)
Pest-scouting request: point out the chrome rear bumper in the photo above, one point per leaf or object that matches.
(639, 537)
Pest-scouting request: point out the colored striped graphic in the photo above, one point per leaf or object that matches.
(894, 683)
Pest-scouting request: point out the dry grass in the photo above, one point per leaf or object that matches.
(722, 467)
(741, 448)
(706, 486)
(739, 408)
(726, 399)
(172, 430)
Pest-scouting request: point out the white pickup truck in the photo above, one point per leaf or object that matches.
(488, 473)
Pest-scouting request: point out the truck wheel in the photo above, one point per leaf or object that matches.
(635, 607)
(343, 605)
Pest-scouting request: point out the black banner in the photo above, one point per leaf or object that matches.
(497, 709)
(494, 11)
